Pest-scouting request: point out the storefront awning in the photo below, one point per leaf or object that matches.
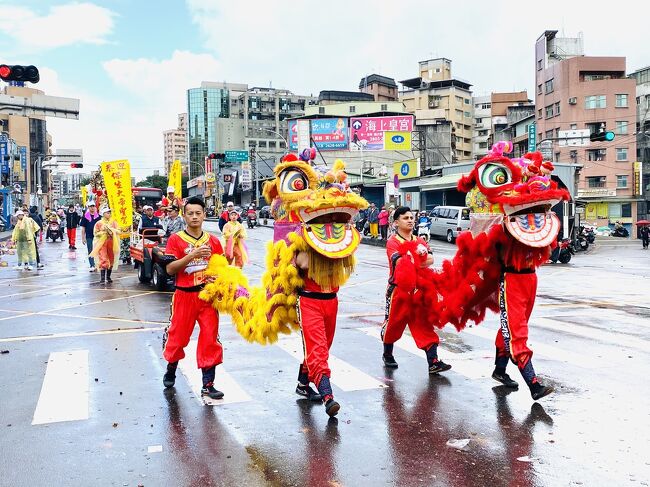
(449, 181)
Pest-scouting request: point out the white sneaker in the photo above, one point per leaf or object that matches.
(29, 268)
(40, 266)
(93, 269)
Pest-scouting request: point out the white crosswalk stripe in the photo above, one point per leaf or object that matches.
(344, 375)
(64, 394)
(462, 363)
(223, 381)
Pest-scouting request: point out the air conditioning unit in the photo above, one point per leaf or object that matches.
(573, 100)
(434, 104)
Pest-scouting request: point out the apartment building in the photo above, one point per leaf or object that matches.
(175, 144)
(482, 127)
(642, 78)
(382, 88)
(436, 95)
(578, 92)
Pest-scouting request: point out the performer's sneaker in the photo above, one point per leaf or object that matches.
(438, 366)
(538, 391)
(389, 361)
(211, 392)
(307, 392)
(505, 379)
(332, 408)
(169, 379)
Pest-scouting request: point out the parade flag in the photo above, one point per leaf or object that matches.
(117, 180)
(84, 196)
(175, 178)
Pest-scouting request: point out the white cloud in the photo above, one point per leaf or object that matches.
(309, 46)
(129, 121)
(63, 25)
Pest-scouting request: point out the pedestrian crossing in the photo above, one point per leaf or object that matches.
(66, 391)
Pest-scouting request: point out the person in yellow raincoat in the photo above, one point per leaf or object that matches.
(106, 245)
(23, 237)
(234, 235)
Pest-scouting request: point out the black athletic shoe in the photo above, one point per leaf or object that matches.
(438, 366)
(389, 362)
(540, 391)
(332, 408)
(307, 392)
(169, 379)
(505, 380)
(211, 392)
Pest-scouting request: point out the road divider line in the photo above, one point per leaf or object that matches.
(467, 365)
(64, 394)
(223, 381)
(344, 375)
(80, 334)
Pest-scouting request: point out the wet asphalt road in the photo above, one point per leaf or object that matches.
(590, 334)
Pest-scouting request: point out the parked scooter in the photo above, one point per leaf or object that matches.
(588, 234)
(562, 252)
(620, 232)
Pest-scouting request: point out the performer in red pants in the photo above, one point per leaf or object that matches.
(192, 249)
(517, 290)
(400, 311)
(317, 309)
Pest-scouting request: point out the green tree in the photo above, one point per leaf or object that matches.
(154, 182)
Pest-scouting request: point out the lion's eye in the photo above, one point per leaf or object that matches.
(292, 181)
(494, 175)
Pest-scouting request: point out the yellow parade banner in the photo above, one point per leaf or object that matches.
(117, 180)
(84, 196)
(176, 178)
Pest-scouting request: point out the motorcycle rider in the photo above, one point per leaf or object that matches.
(251, 214)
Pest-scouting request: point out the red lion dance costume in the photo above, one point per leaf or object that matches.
(512, 232)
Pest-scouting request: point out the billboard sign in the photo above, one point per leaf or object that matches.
(406, 169)
(303, 131)
(367, 133)
(330, 133)
(22, 150)
(246, 176)
(394, 140)
(293, 135)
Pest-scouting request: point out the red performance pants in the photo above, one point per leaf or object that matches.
(317, 318)
(72, 235)
(516, 299)
(186, 310)
(398, 316)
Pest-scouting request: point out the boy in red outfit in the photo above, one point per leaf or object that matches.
(192, 249)
(317, 309)
(396, 319)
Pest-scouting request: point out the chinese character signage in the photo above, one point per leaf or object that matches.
(532, 137)
(367, 133)
(175, 178)
(406, 169)
(117, 179)
(246, 176)
(4, 153)
(330, 133)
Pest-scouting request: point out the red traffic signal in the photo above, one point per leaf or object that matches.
(19, 73)
(76, 165)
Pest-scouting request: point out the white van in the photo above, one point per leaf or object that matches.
(449, 221)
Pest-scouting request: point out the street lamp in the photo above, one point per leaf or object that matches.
(273, 132)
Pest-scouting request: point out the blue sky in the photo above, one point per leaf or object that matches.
(130, 61)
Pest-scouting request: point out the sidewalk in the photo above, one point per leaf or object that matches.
(6, 235)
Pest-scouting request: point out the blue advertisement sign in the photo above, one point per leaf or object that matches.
(330, 133)
(293, 135)
(4, 151)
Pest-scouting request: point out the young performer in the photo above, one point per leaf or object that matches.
(234, 235)
(106, 245)
(192, 249)
(317, 309)
(402, 292)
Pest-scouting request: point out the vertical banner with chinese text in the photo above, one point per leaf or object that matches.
(175, 178)
(117, 179)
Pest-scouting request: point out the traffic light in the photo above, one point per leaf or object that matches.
(76, 165)
(602, 136)
(19, 73)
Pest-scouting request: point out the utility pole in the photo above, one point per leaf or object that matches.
(255, 178)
